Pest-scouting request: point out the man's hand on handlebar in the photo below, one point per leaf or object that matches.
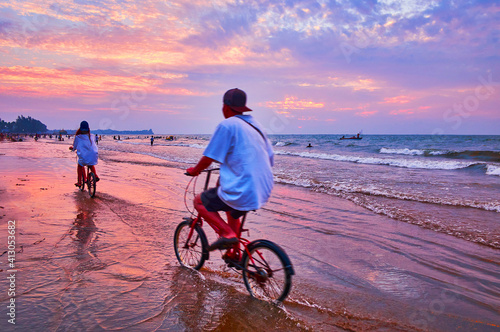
(202, 164)
(191, 171)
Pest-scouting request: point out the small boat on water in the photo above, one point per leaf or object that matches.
(352, 137)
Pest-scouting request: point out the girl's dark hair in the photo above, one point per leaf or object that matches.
(83, 132)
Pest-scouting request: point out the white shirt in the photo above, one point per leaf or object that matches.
(246, 178)
(86, 149)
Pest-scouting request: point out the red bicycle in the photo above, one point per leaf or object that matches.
(266, 268)
(88, 178)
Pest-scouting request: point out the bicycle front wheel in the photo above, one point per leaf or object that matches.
(91, 184)
(191, 251)
(267, 271)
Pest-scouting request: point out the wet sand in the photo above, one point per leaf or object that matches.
(108, 263)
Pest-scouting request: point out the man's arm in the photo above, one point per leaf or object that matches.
(202, 164)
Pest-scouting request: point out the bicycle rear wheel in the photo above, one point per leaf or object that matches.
(190, 251)
(267, 271)
(91, 184)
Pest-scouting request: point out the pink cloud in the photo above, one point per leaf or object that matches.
(397, 100)
(402, 111)
(366, 113)
(47, 82)
(293, 103)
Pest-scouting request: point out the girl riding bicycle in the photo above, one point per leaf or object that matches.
(87, 151)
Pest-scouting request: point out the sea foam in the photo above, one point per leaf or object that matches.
(405, 151)
(397, 162)
(493, 170)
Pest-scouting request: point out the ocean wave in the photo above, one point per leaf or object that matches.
(493, 156)
(345, 190)
(296, 181)
(188, 145)
(161, 143)
(399, 162)
(493, 170)
(480, 155)
(405, 151)
(466, 232)
(132, 143)
(284, 143)
(170, 158)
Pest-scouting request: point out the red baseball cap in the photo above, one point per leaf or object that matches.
(236, 99)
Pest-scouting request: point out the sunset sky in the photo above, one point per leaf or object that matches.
(333, 67)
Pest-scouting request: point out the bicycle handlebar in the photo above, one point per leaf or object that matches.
(204, 171)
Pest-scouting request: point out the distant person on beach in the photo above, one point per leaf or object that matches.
(96, 139)
(152, 140)
(86, 149)
(246, 180)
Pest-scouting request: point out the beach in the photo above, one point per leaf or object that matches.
(108, 263)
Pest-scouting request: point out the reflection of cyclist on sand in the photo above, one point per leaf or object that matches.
(83, 228)
(86, 149)
(246, 178)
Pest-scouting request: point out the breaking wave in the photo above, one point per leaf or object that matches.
(397, 162)
(491, 156)
(493, 170)
(344, 190)
(284, 143)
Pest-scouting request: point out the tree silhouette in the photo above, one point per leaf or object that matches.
(23, 125)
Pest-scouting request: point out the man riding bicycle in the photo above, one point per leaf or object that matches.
(246, 180)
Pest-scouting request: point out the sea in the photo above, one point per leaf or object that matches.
(448, 184)
(385, 233)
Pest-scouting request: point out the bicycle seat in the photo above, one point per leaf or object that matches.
(236, 214)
